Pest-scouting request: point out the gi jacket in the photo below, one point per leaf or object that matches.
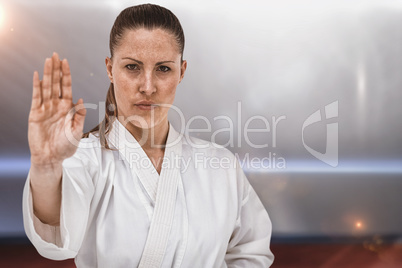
(117, 211)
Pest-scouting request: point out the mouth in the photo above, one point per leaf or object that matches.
(146, 105)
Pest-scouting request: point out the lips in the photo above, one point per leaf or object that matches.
(146, 105)
(149, 103)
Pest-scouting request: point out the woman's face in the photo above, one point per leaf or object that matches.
(145, 71)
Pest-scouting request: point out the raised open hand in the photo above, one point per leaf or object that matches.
(54, 117)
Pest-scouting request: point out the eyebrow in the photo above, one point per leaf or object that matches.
(141, 63)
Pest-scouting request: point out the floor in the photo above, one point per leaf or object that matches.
(370, 255)
(337, 255)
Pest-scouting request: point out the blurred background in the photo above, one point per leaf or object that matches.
(310, 90)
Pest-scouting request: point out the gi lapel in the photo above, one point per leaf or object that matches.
(162, 189)
(138, 160)
(162, 219)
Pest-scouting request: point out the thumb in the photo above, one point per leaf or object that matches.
(79, 117)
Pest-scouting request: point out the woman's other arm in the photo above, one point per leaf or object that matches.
(249, 245)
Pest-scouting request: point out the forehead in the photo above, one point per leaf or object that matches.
(143, 44)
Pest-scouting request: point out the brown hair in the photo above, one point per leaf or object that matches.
(146, 16)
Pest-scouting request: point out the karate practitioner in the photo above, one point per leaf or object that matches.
(134, 192)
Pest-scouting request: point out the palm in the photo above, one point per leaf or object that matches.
(54, 129)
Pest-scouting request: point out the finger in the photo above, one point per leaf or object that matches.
(66, 92)
(75, 120)
(47, 79)
(56, 76)
(36, 94)
(68, 130)
(79, 116)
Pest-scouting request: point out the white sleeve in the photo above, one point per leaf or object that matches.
(249, 245)
(64, 241)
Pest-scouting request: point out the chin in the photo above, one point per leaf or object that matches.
(144, 123)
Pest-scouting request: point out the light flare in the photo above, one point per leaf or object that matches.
(1, 15)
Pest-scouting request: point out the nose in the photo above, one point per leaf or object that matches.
(147, 85)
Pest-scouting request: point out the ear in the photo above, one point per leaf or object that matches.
(183, 69)
(109, 64)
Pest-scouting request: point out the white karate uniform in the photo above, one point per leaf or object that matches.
(117, 211)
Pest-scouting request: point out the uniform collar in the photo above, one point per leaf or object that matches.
(141, 166)
(121, 138)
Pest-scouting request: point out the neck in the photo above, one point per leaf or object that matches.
(153, 138)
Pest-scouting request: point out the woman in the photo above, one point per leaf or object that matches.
(134, 192)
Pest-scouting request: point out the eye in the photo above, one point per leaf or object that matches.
(163, 69)
(132, 67)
